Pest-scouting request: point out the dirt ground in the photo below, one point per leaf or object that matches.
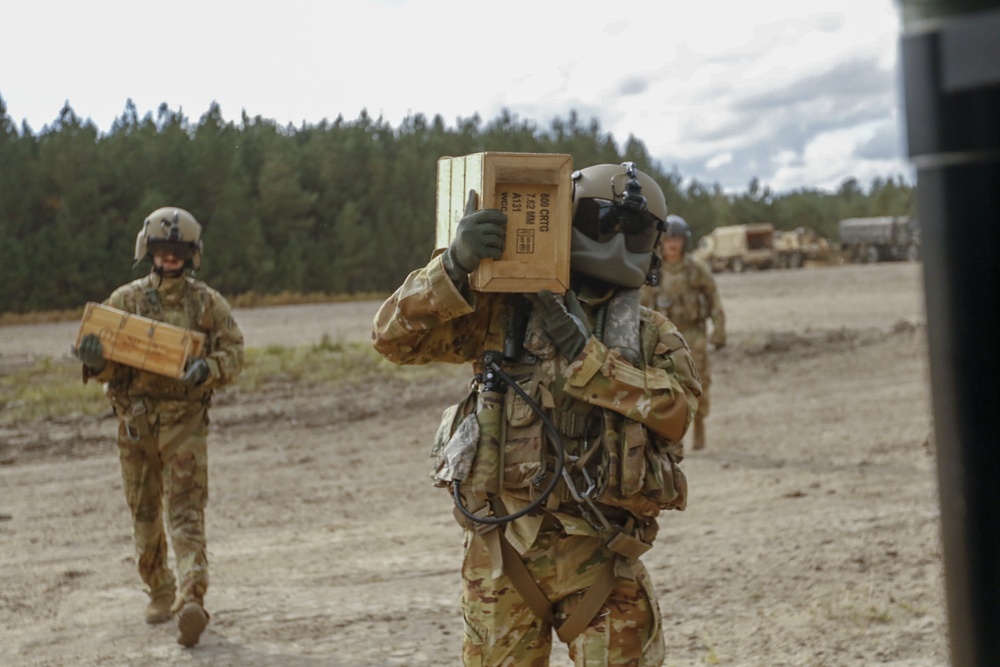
(811, 536)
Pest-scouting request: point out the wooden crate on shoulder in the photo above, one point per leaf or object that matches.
(535, 191)
(141, 342)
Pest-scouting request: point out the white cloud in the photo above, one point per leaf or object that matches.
(719, 160)
(683, 77)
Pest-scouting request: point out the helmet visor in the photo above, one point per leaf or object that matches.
(178, 249)
(601, 219)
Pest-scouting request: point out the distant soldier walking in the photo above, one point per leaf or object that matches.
(688, 296)
(163, 422)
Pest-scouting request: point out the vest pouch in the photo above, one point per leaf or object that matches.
(634, 443)
(524, 444)
(523, 455)
(484, 479)
(624, 462)
(519, 412)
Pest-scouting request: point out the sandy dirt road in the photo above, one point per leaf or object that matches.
(811, 536)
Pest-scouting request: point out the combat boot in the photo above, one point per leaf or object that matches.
(191, 622)
(699, 434)
(158, 609)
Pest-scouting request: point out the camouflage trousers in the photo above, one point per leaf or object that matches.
(697, 340)
(502, 630)
(166, 475)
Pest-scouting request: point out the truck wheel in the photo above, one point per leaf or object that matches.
(737, 265)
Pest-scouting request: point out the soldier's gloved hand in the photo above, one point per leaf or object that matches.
(479, 235)
(718, 340)
(195, 372)
(564, 322)
(91, 353)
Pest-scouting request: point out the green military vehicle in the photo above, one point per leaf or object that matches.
(880, 239)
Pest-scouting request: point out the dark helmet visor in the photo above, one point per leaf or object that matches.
(179, 249)
(601, 219)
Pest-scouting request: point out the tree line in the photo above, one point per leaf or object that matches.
(336, 207)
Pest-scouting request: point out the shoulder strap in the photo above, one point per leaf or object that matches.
(517, 572)
(582, 614)
(589, 605)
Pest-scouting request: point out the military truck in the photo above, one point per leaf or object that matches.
(738, 247)
(796, 247)
(880, 239)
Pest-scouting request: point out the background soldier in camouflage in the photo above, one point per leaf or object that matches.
(618, 384)
(163, 422)
(687, 294)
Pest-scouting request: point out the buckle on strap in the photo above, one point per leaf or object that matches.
(137, 417)
(627, 546)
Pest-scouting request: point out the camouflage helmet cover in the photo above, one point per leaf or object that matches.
(608, 181)
(169, 225)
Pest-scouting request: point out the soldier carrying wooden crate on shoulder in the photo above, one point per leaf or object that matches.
(566, 449)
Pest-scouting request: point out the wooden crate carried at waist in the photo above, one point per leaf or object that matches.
(140, 342)
(535, 191)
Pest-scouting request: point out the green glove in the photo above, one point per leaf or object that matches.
(195, 373)
(479, 235)
(91, 353)
(563, 322)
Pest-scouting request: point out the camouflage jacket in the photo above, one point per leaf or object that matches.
(688, 296)
(645, 408)
(183, 302)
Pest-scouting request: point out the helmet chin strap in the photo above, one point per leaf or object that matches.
(177, 273)
(653, 277)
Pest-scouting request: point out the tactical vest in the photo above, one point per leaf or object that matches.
(680, 295)
(617, 467)
(188, 310)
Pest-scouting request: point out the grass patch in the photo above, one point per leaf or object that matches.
(48, 390)
(41, 317)
(51, 390)
(326, 362)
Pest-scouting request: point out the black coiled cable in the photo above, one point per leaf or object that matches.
(549, 488)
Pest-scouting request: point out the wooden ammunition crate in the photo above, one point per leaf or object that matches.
(535, 191)
(133, 340)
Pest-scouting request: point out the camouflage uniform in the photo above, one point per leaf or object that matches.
(162, 432)
(619, 421)
(688, 296)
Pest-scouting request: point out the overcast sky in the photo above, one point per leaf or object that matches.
(799, 93)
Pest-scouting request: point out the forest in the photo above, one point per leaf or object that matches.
(338, 207)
